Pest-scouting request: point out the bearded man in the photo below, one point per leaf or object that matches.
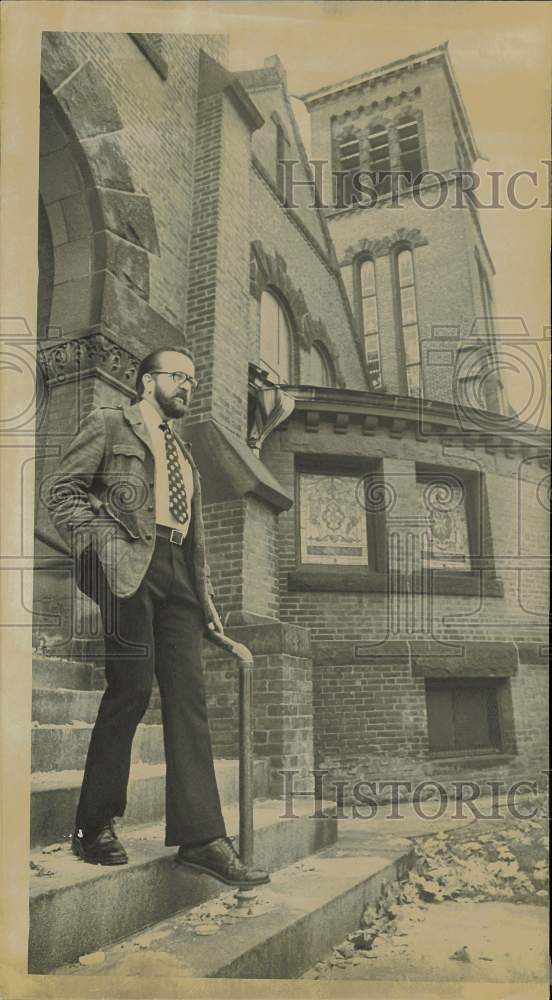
(127, 500)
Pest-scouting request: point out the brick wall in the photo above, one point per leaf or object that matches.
(282, 699)
(219, 264)
(371, 720)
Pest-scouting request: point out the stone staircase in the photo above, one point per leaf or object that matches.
(76, 908)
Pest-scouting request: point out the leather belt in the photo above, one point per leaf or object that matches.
(171, 534)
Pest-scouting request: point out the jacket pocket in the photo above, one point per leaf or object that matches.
(118, 520)
(129, 451)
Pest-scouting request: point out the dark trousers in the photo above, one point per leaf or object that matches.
(156, 631)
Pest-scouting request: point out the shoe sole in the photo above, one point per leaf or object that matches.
(221, 878)
(91, 860)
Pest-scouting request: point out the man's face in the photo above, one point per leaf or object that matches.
(172, 396)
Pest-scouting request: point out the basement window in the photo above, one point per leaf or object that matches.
(463, 715)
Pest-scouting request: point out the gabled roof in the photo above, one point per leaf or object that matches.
(438, 54)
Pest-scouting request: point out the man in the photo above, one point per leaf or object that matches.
(127, 499)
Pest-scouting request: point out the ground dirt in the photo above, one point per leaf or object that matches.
(473, 908)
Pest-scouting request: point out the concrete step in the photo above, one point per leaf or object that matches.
(81, 908)
(63, 705)
(54, 797)
(64, 747)
(306, 910)
(49, 672)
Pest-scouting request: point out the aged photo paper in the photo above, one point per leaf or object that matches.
(275, 467)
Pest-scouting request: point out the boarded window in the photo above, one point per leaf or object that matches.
(463, 715)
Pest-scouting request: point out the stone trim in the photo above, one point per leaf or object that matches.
(384, 246)
(271, 271)
(151, 45)
(293, 215)
(95, 352)
(328, 258)
(467, 659)
(77, 96)
(377, 106)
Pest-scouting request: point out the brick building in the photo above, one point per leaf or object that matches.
(375, 513)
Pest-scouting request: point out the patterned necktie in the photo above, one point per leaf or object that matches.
(178, 501)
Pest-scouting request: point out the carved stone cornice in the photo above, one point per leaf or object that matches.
(64, 361)
(382, 247)
(380, 106)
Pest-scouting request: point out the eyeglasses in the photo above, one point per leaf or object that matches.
(179, 378)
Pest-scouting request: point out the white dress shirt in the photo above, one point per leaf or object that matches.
(152, 420)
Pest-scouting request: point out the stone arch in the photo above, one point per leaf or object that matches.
(270, 271)
(381, 247)
(103, 229)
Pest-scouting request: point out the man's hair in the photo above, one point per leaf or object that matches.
(151, 362)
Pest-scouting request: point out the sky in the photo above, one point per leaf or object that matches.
(500, 56)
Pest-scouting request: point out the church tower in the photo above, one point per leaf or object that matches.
(398, 150)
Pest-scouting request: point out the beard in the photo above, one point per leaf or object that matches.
(171, 406)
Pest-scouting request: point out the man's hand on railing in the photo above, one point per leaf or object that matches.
(236, 649)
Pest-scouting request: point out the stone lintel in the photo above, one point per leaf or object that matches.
(335, 652)
(465, 659)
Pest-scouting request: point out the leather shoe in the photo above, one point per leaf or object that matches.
(220, 859)
(99, 846)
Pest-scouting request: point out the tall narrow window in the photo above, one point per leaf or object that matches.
(409, 149)
(370, 323)
(380, 160)
(275, 347)
(349, 164)
(409, 322)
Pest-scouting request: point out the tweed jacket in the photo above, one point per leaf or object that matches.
(103, 495)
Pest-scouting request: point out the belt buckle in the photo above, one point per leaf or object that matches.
(176, 537)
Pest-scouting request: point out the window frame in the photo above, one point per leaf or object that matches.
(397, 250)
(278, 297)
(321, 349)
(383, 186)
(359, 302)
(495, 685)
(403, 122)
(481, 577)
(332, 577)
(344, 189)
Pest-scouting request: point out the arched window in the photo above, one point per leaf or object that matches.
(275, 348)
(409, 322)
(319, 368)
(369, 320)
